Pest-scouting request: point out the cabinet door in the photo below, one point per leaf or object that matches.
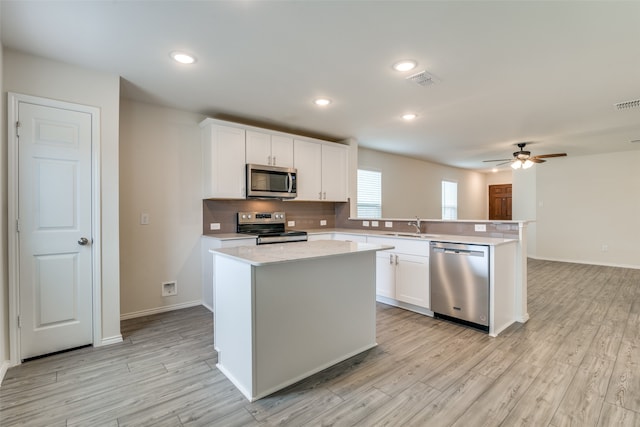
(223, 162)
(307, 158)
(334, 172)
(412, 279)
(258, 148)
(281, 151)
(385, 274)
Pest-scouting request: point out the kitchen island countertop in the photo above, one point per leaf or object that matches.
(294, 251)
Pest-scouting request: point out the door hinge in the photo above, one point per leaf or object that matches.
(18, 126)
(17, 225)
(19, 322)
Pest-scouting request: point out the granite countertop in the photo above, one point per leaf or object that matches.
(450, 238)
(288, 252)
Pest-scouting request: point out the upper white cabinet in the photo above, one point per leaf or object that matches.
(223, 154)
(227, 148)
(266, 149)
(322, 170)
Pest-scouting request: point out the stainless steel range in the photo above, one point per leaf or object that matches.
(268, 227)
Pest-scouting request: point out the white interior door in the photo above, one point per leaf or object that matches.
(54, 223)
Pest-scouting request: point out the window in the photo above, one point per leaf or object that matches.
(449, 200)
(369, 194)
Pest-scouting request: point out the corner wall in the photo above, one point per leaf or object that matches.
(4, 261)
(160, 173)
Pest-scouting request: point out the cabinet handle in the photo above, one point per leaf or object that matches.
(320, 195)
(274, 160)
(269, 160)
(324, 195)
(391, 259)
(396, 259)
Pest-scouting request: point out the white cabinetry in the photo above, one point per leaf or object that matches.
(267, 149)
(223, 154)
(402, 274)
(322, 170)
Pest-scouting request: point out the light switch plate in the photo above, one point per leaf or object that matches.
(323, 222)
(374, 223)
(481, 227)
(291, 223)
(365, 223)
(144, 219)
(214, 226)
(388, 224)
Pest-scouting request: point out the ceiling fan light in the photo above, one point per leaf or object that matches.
(516, 165)
(527, 164)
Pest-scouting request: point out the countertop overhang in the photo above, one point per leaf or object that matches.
(295, 251)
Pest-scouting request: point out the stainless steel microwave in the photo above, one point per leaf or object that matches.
(271, 182)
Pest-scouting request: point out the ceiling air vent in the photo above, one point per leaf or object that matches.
(628, 104)
(423, 78)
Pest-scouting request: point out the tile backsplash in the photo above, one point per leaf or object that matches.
(307, 216)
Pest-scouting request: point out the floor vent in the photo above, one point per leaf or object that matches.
(628, 104)
(423, 78)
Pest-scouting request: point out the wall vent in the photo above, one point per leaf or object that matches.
(423, 78)
(628, 104)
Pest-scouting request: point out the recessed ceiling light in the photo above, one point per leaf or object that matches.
(183, 58)
(494, 170)
(322, 102)
(405, 65)
(409, 116)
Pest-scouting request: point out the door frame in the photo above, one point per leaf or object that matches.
(13, 100)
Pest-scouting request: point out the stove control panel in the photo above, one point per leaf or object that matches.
(261, 217)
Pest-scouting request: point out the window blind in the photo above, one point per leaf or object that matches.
(369, 203)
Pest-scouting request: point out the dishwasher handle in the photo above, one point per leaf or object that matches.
(462, 252)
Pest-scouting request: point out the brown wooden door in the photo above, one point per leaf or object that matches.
(500, 202)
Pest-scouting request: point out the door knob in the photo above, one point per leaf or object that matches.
(83, 241)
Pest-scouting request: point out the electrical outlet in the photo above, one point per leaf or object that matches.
(144, 219)
(374, 223)
(214, 226)
(169, 289)
(605, 248)
(481, 227)
(365, 223)
(291, 223)
(323, 222)
(388, 224)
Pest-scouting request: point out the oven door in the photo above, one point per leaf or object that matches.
(271, 182)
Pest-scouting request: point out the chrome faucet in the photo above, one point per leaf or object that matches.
(416, 224)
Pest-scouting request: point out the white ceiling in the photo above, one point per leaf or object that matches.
(546, 72)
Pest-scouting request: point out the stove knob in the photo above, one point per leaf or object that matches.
(244, 217)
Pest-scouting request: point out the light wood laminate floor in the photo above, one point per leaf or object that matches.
(576, 362)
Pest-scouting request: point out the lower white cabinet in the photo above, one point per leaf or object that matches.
(402, 274)
(412, 279)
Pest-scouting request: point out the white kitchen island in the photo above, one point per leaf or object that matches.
(286, 311)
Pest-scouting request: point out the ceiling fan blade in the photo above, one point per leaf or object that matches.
(537, 160)
(504, 163)
(498, 160)
(546, 156)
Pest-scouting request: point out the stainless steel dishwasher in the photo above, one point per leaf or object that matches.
(459, 281)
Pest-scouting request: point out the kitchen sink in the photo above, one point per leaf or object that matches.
(415, 235)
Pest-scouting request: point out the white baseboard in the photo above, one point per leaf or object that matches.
(162, 309)
(110, 340)
(3, 369)
(575, 261)
(207, 306)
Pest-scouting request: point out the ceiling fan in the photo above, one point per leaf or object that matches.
(523, 159)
